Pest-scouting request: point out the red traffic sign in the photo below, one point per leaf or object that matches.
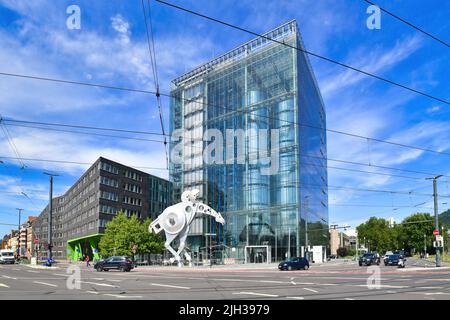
(36, 241)
(436, 232)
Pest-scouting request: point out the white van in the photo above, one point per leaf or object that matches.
(7, 256)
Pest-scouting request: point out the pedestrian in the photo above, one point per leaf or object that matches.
(87, 261)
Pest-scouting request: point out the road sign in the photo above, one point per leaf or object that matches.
(436, 232)
(36, 241)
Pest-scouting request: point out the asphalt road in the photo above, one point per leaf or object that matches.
(335, 280)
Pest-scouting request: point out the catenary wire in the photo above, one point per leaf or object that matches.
(306, 51)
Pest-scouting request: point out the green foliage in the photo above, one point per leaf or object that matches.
(444, 218)
(123, 233)
(378, 234)
(411, 235)
(408, 235)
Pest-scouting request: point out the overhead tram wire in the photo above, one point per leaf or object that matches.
(11, 142)
(206, 104)
(306, 51)
(153, 168)
(409, 23)
(303, 155)
(152, 54)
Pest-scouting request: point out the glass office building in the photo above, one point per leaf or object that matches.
(261, 84)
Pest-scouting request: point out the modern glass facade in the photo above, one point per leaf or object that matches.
(259, 85)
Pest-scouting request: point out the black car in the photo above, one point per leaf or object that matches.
(368, 259)
(121, 263)
(294, 264)
(393, 260)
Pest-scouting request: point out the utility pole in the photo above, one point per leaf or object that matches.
(18, 239)
(50, 212)
(424, 246)
(436, 217)
(306, 226)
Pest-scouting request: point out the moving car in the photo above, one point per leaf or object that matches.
(395, 260)
(294, 264)
(368, 259)
(7, 256)
(387, 254)
(122, 263)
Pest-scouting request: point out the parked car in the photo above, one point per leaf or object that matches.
(294, 264)
(395, 260)
(369, 258)
(7, 256)
(122, 263)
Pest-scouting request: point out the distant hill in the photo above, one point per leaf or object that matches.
(444, 217)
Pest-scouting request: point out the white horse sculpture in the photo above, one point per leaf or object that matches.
(175, 221)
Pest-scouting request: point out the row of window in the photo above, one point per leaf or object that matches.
(132, 201)
(133, 175)
(114, 170)
(109, 182)
(108, 167)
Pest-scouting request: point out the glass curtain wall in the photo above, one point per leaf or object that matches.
(264, 85)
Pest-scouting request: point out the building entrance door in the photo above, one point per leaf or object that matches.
(257, 254)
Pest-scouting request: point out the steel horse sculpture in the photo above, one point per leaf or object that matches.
(175, 221)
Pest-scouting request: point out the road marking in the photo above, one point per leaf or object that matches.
(169, 286)
(93, 292)
(349, 299)
(312, 290)
(114, 280)
(7, 277)
(381, 286)
(32, 271)
(256, 294)
(296, 298)
(61, 275)
(122, 296)
(99, 279)
(17, 269)
(45, 283)
(100, 284)
(3, 285)
(271, 281)
(431, 288)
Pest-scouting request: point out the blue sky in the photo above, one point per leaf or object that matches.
(111, 48)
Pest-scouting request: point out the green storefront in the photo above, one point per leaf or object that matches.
(80, 247)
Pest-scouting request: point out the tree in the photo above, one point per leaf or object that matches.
(413, 230)
(378, 234)
(122, 234)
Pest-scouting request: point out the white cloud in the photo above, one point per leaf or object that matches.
(122, 27)
(376, 61)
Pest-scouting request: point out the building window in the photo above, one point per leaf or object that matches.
(108, 209)
(109, 182)
(109, 196)
(133, 175)
(133, 188)
(132, 201)
(108, 167)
